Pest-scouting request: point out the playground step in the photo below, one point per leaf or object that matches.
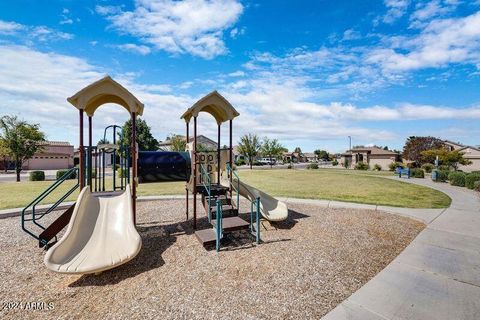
(231, 224)
(206, 236)
(224, 199)
(215, 190)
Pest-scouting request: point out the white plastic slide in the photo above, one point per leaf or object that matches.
(270, 208)
(101, 235)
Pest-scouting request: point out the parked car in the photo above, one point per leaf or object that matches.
(268, 161)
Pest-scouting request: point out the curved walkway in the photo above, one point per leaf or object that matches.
(436, 277)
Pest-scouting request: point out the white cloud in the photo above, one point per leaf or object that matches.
(442, 42)
(131, 47)
(235, 32)
(189, 26)
(396, 9)
(29, 33)
(238, 73)
(10, 27)
(428, 10)
(351, 34)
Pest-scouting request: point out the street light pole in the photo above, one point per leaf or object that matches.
(350, 148)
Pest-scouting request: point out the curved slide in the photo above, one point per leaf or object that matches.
(270, 208)
(101, 235)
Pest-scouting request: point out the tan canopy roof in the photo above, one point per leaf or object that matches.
(214, 104)
(105, 90)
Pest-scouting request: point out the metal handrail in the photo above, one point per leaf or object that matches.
(218, 226)
(204, 173)
(237, 189)
(253, 210)
(43, 195)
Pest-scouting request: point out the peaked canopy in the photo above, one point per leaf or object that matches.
(215, 104)
(105, 90)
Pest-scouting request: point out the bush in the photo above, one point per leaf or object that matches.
(289, 166)
(394, 165)
(377, 167)
(476, 185)
(312, 166)
(362, 166)
(61, 173)
(428, 167)
(470, 180)
(457, 178)
(37, 176)
(334, 163)
(240, 162)
(257, 163)
(117, 166)
(442, 175)
(417, 173)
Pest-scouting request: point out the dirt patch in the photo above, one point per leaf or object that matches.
(305, 267)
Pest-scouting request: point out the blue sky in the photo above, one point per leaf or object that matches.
(309, 73)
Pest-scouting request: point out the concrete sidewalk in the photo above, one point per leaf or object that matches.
(436, 277)
(424, 215)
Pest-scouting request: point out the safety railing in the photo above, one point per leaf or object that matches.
(35, 216)
(207, 184)
(254, 205)
(234, 186)
(218, 225)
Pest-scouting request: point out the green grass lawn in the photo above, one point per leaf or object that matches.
(344, 185)
(332, 184)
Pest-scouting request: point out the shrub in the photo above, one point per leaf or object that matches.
(377, 167)
(362, 166)
(476, 185)
(240, 162)
(442, 175)
(334, 163)
(457, 178)
(289, 166)
(257, 163)
(394, 165)
(312, 166)
(417, 173)
(61, 173)
(428, 167)
(37, 176)
(346, 164)
(117, 166)
(444, 168)
(470, 180)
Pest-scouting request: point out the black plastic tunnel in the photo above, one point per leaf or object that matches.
(163, 166)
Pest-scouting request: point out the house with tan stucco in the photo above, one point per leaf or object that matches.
(469, 152)
(370, 156)
(53, 156)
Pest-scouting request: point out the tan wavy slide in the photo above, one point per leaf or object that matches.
(101, 235)
(270, 208)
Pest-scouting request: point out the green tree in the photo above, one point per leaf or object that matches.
(414, 146)
(298, 150)
(322, 154)
(448, 158)
(145, 139)
(249, 146)
(103, 141)
(5, 154)
(271, 148)
(22, 139)
(178, 143)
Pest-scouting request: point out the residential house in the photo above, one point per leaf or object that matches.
(370, 156)
(310, 157)
(201, 140)
(469, 152)
(55, 155)
(294, 157)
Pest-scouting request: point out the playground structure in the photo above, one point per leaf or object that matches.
(101, 232)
